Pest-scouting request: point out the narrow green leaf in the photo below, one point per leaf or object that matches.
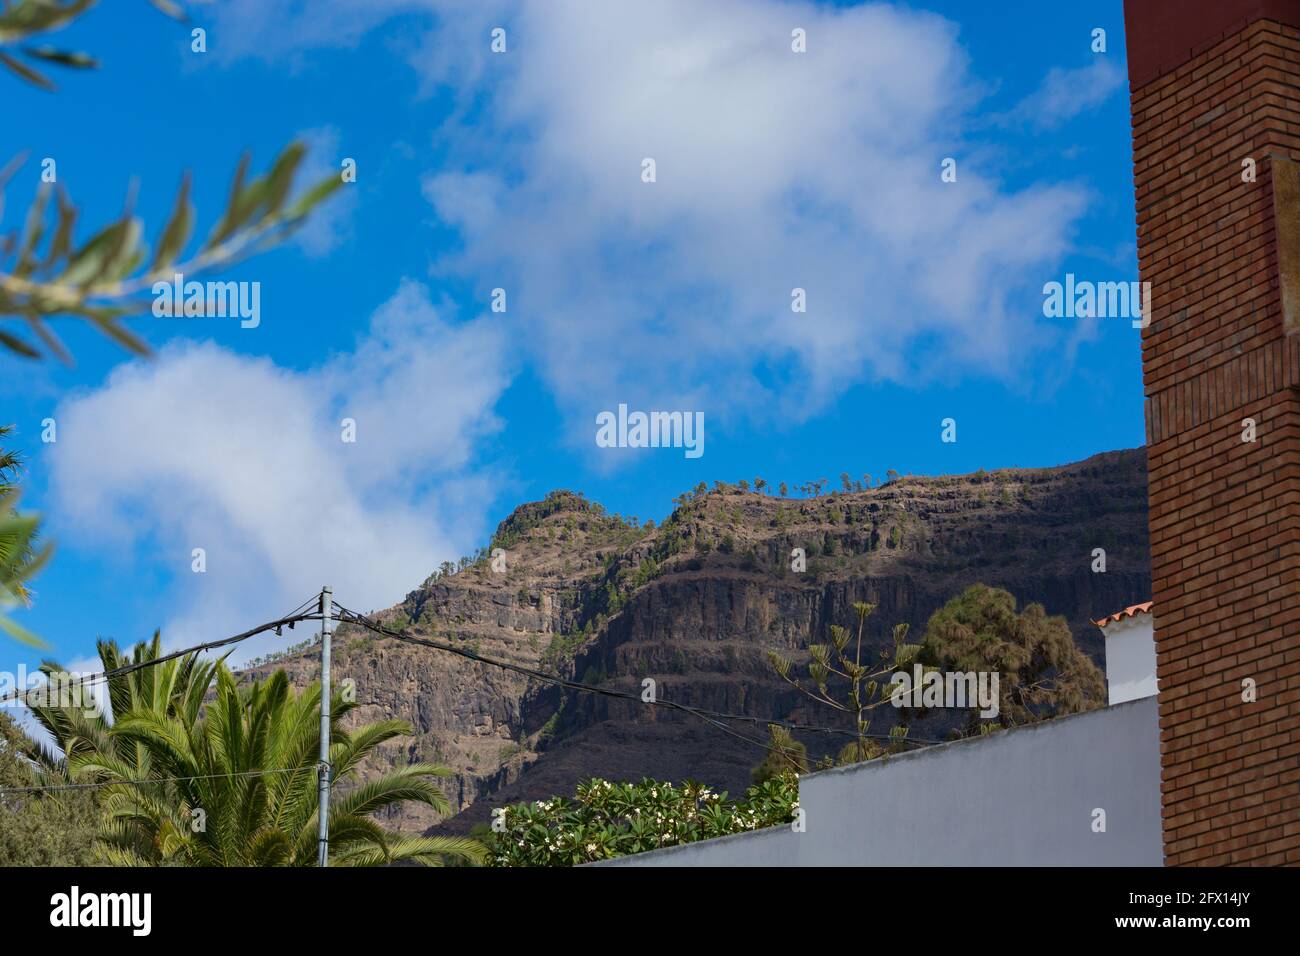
(11, 167)
(125, 251)
(15, 344)
(37, 16)
(313, 197)
(88, 261)
(280, 179)
(172, 10)
(177, 231)
(33, 230)
(251, 199)
(77, 61)
(20, 633)
(225, 227)
(62, 241)
(128, 340)
(26, 72)
(52, 342)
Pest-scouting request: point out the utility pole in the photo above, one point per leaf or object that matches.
(323, 843)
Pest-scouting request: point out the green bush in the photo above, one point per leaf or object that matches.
(605, 820)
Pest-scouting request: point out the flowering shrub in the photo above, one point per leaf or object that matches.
(606, 819)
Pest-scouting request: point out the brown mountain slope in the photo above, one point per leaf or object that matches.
(695, 603)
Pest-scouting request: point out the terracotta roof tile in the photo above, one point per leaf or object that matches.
(1130, 611)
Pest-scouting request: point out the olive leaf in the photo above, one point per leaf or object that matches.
(26, 18)
(45, 274)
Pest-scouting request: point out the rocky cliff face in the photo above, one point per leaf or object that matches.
(695, 604)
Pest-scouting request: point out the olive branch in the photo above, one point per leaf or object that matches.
(106, 277)
(25, 19)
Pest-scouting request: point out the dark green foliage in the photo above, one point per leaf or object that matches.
(20, 557)
(1043, 673)
(785, 755)
(841, 678)
(51, 828)
(230, 779)
(606, 820)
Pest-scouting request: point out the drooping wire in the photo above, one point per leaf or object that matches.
(54, 788)
(90, 680)
(347, 616)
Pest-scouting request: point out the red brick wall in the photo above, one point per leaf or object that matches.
(1225, 514)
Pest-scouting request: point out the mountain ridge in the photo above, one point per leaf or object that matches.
(694, 604)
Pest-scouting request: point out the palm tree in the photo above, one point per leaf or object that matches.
(19, 560)
(176, 688)
(242, 787)
(19, 556)
(249, 757)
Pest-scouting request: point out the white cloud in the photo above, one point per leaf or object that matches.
(1067, 93)
(207, 448)
(775, 170)
(329, 225)
(268, 30)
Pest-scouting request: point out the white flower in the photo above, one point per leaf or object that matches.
(591, 848)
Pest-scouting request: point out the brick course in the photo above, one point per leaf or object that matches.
(1225, 514)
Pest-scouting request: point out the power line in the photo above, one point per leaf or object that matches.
(54, 788)
(709, 716)
(314, 599)
(289, 619)
(103, 677)
(348, 616)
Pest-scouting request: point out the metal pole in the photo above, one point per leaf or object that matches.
(323, 845)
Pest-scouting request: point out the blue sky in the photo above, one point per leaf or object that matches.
(522, 171)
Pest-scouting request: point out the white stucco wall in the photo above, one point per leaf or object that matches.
(1023, 797)
(1130, 658)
